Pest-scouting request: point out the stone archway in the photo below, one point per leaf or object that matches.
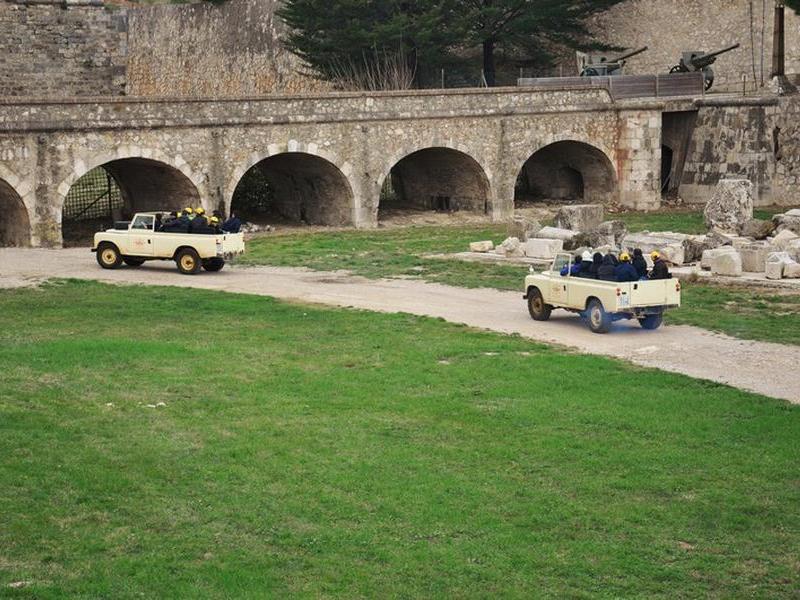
(294, 187)
(570, 171)
(15, 227)
(435, 178)
(117, 189)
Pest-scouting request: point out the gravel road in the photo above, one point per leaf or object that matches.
(765, 368)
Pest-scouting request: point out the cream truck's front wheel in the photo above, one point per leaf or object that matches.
(108, 256)
(538, 309)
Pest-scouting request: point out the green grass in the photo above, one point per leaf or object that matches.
(682, 221)
(332, 453)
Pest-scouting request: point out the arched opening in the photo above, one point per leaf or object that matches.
(666, 168)
(294, 188)
(438, 179)
(566, 171)
(15, 227)
(117, 190)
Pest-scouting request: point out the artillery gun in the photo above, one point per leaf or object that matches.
(593, 65)
(692, 62)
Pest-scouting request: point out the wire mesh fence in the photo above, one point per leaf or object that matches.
(94, 196)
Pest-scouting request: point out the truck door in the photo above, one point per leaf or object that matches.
(141, 236)
(557, 291)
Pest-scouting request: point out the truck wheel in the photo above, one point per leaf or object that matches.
(132, 261)
(599, 319)
(108, 256)
(188, 261)
(539, 310)
(213, 264)
(651, 321)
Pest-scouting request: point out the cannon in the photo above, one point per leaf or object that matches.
(592, 65)
(692, 62)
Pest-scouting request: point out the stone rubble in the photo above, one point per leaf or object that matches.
(543, 248)
(727, 263)
(484, 246)
(580, 217)
(510, 247)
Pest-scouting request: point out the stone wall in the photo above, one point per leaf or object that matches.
(61, 48)
(208, 50)
(669, 27)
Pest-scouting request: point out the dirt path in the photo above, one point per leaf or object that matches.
(766, 368)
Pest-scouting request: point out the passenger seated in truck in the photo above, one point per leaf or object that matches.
(572, 269)
(213, 223)
(597, 261)
(625, 271)
(199, 223)
(232, 225)
(586, 265)
(169, 222)
(605, 271)
(660, 269)
(639, 263)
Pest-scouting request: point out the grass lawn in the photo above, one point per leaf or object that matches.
(332, 453)
(682, 221)
(745, 313)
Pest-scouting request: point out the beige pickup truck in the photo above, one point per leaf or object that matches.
(136, 242)
(599, 302)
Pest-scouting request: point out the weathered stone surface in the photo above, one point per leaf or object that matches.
(782, 240)
(510, 247)
(719, 238)
(791, 270)
(709, 255)
(543, 248)
(793, 249)
(556, 233)
(727, 263)
(788, 220)
(758, 229)
(484, 246)
(616, 229)
(731, 206)
(671, 248)
(754, 257)
(774, 270)
(695, 245)
(580, 217)
(523, 228)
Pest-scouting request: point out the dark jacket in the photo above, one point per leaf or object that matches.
(232, 225)
(597, 261)
(625, 271)
(573, 270)
(586, 269)
(660, 270)
(640, 264)
(606, 270)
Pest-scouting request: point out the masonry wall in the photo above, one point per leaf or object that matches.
(61, 48)
(208, 50)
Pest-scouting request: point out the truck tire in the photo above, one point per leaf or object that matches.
(538, 309)
(599, 319)
(188, 261)
(132, 261)
(213, 264)
(108, 256)
(651, 321)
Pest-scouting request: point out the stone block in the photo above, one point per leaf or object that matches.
(727, 263)
(671, 248)
(789, 220)
(773, 270)
(782, 240)
(709, 255)
(510, 247)
(580, 217)
(731, 206)
(758, 229)
(484, 246)
(556, 233)
(543, 248)
(523, 228)
(754, 257)
(791, 270)
(616, 229)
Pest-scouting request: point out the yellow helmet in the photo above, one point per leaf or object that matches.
(655, 254)
(200, 210)
(624, 257)
(214, 220)
(188, 210)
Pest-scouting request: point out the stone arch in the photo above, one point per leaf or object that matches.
(15, 225)
(296, 182)
(440, 176)
(567, 170)
(145, 180)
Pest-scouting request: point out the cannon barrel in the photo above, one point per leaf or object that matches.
(628, 55)
(710, 57)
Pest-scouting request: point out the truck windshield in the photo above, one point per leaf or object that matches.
(560, 261)
(143, 222)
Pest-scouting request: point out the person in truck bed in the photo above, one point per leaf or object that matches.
(625, 271)
(660, 269)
